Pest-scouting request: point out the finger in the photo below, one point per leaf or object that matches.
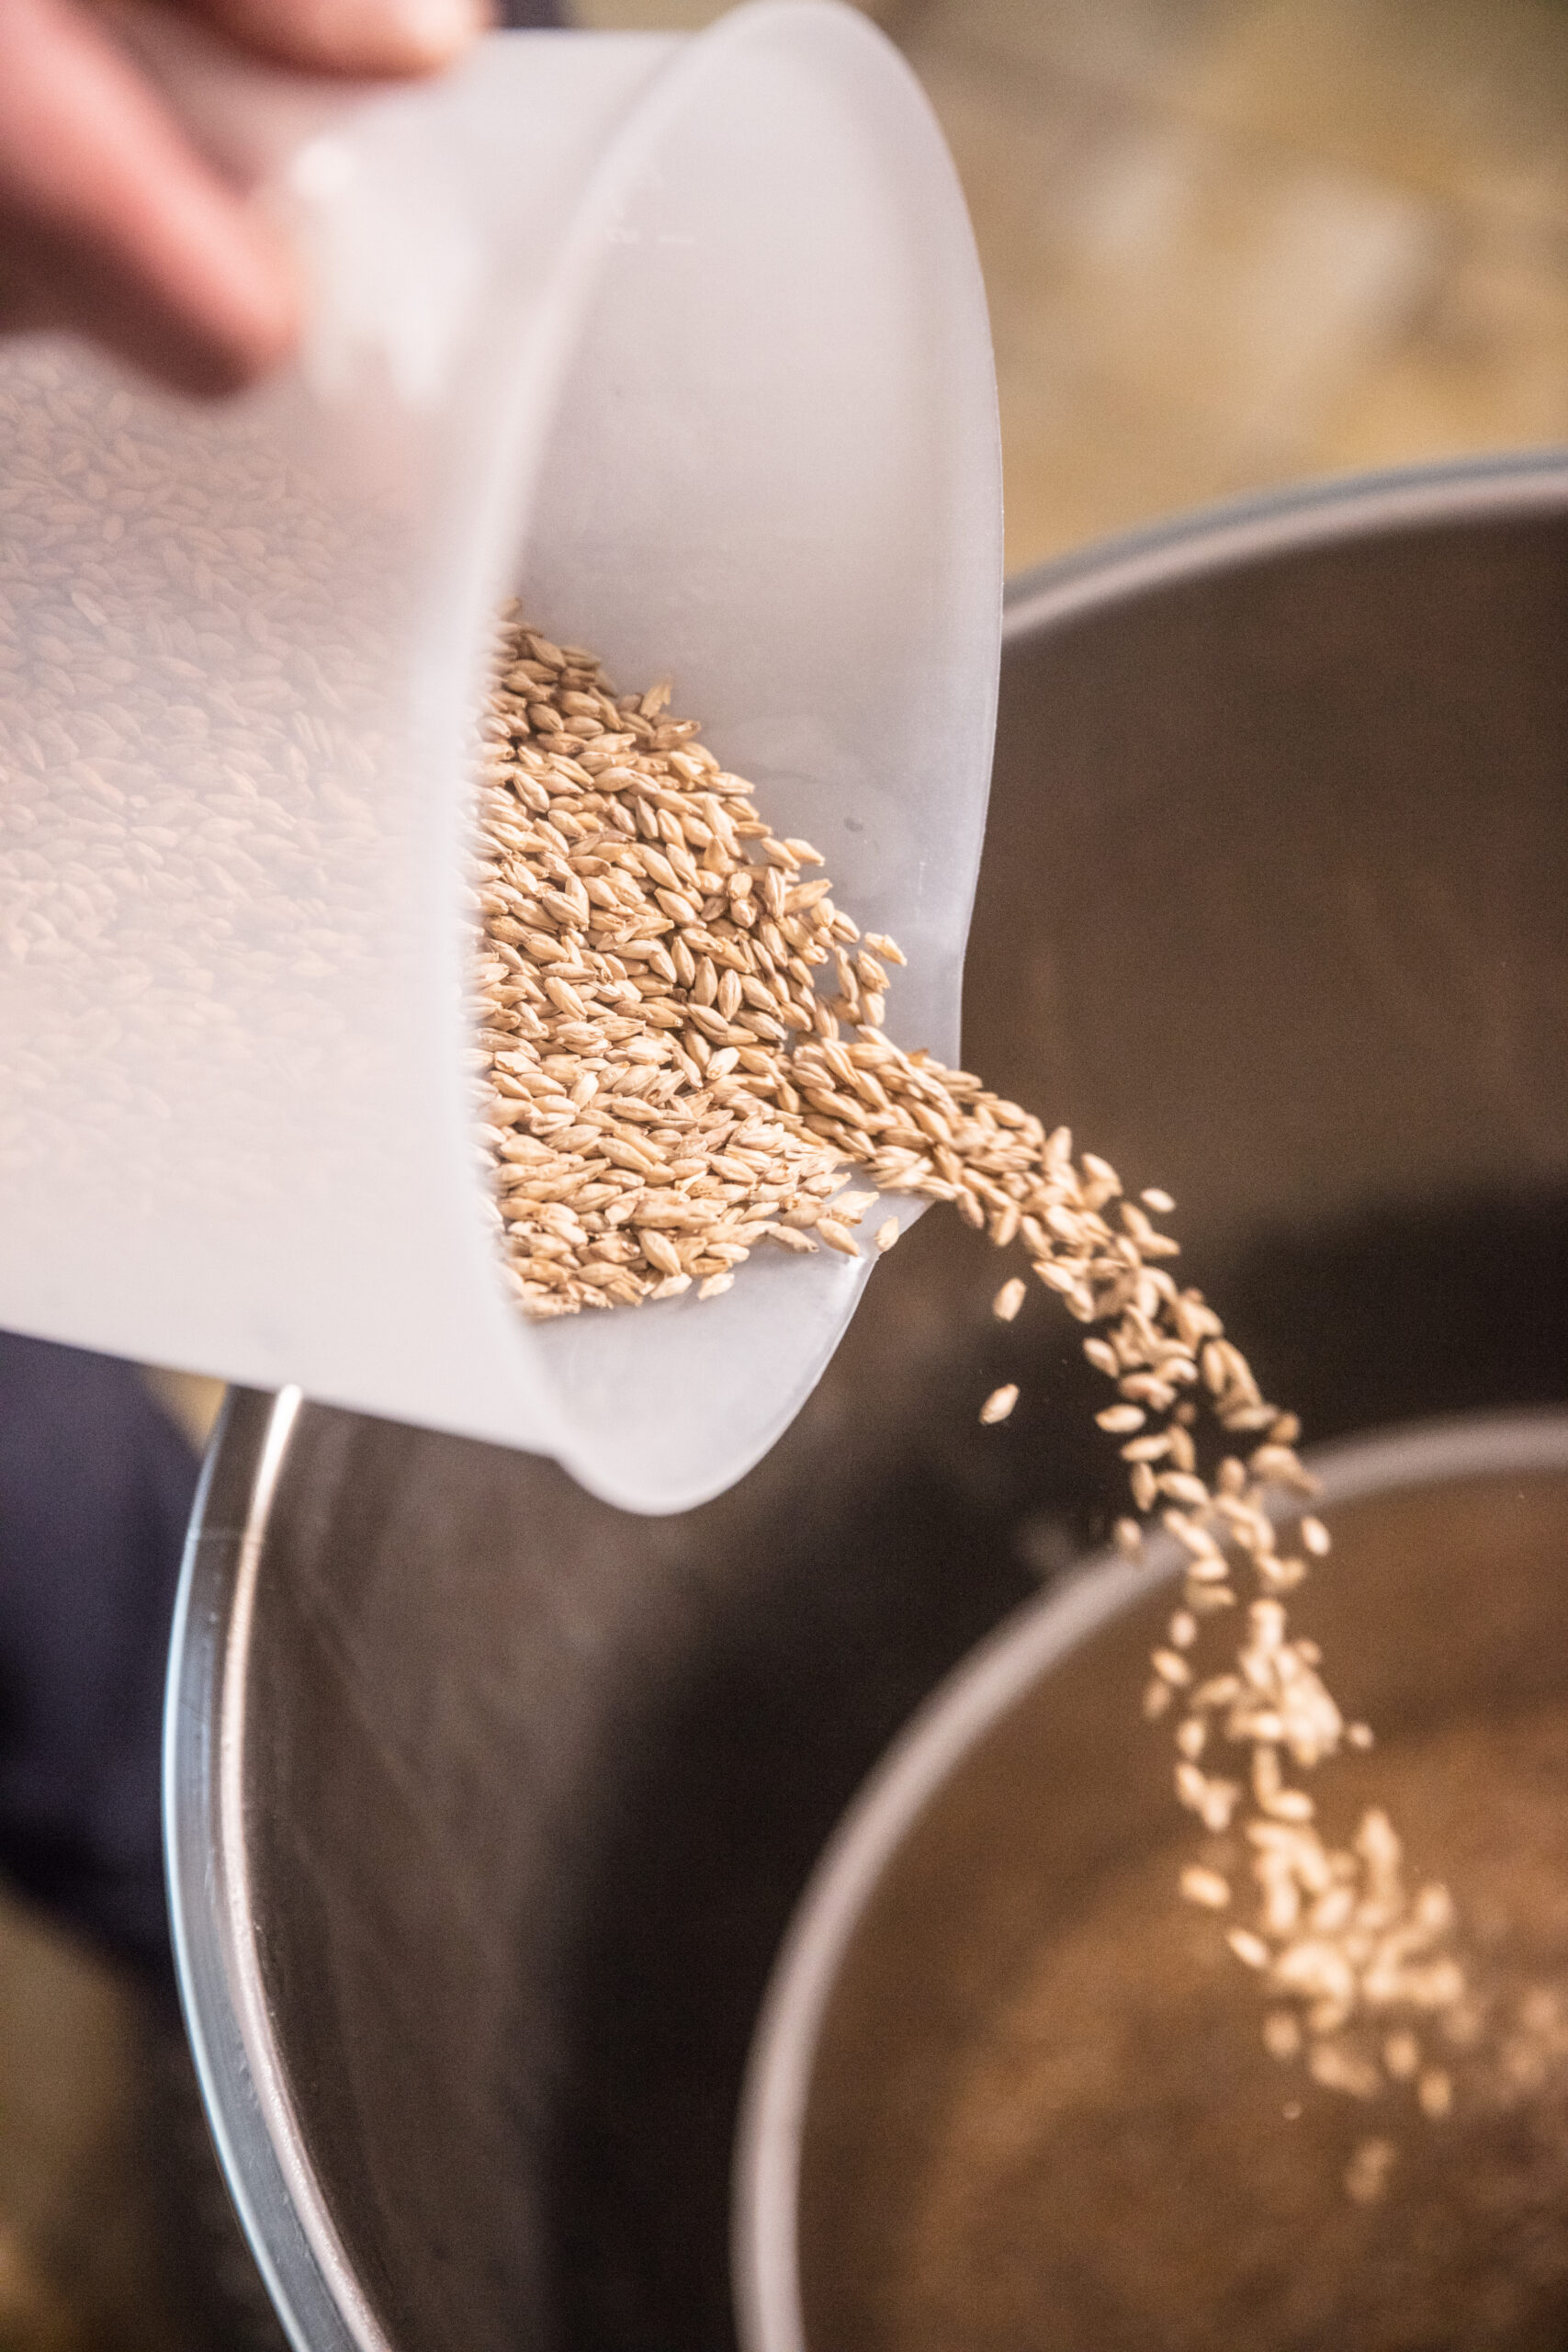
(111, 226)
(358, 37)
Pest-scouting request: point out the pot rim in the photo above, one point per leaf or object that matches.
(1233, 532)
(261, 2148)
(925, 1757)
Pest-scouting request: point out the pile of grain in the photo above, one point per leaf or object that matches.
(666, 1088)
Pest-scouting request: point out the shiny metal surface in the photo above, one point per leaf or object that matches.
(489, 1804)
(833, 2122)
(307, 2273)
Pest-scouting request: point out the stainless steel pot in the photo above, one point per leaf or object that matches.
(942, 2148)
(488, 1805)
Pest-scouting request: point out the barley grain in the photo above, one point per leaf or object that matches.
(662, 1088)
(1367, 2173)
(1338, 2068)
(1435, 2091)
(1402, 2056)
(1282, 2035)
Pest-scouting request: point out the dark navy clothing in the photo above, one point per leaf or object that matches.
(95, 1489)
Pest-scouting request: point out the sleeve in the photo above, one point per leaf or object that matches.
(96, 1490)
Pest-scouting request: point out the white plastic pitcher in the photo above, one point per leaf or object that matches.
(684, 342)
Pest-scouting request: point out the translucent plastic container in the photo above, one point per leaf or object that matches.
(684, 342)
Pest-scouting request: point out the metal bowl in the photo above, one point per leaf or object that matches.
(945, 2138)
(489, 1805)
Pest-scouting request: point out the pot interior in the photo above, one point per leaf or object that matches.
(1041, 2114)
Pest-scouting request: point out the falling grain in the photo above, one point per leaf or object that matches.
(1367, 2173)
(684, 1056)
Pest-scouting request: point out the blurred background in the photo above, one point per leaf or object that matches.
(1227, 243)
(1233, 243)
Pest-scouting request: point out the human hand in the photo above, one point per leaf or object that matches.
(114, 227)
